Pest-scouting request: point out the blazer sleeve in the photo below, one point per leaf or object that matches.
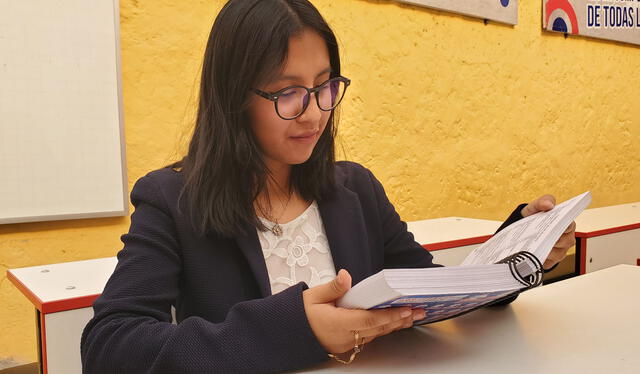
(131, 331)
(516, 215)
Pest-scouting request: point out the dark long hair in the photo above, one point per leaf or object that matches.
(224, 170)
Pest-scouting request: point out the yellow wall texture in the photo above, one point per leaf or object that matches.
(455, 117)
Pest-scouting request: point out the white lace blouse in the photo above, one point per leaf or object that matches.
(301, 253)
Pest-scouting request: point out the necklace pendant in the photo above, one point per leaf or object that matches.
(276, 230)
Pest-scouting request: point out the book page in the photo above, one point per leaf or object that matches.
(535, 234)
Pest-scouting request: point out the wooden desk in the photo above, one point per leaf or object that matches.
(451, 239)
(608, 236)
(586, 324)
(62, 295)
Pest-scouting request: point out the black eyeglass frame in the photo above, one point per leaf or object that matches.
(274, 96)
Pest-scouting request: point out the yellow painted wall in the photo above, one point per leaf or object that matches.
(453, 116)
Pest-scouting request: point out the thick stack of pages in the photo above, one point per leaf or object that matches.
(508, 263)
(443, 292)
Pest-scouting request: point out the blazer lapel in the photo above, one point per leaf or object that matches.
(250, 247)
(344, 224)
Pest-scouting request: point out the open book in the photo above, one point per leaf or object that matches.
(505, 265)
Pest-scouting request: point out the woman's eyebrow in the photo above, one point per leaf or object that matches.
(295, 77)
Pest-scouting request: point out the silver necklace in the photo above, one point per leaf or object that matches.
(276, 229)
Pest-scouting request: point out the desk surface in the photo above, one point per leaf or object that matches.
(624, 216)
(584, 324)
(68, 285)
(451, 229)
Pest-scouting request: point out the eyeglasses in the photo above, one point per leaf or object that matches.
(292, 101)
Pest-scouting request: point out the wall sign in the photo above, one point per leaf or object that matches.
(504, 11)
(605, 19)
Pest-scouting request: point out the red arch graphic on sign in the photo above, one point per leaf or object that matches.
(568, 8)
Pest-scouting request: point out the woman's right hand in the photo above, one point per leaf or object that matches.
(335, 327)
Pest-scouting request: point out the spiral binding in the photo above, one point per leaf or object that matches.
(532, 280)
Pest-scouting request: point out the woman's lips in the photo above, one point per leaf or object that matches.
(306, 138)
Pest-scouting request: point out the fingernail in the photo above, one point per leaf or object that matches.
(419, 315)
(405, 313)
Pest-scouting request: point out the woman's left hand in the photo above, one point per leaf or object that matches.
(567, 239)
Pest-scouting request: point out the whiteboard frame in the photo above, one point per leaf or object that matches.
(123, 166)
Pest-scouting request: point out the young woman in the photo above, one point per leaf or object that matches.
(245, 236)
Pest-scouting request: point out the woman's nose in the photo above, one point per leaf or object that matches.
(313, 112)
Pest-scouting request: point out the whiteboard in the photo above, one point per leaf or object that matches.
(61, 121)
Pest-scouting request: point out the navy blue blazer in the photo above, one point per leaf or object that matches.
(228, 320)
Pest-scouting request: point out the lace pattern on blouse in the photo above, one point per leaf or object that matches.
(301, 253)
